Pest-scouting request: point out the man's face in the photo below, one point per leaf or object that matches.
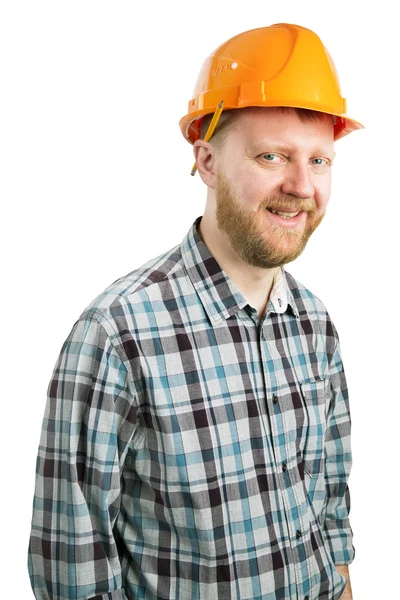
(273, 160)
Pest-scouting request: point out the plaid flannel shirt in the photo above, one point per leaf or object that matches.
(189, 449)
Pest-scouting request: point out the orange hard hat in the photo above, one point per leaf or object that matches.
(279, 65)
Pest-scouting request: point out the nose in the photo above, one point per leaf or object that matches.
(297, 181)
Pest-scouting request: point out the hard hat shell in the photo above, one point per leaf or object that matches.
(279, 65)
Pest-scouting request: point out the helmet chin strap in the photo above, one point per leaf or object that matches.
(210, 129)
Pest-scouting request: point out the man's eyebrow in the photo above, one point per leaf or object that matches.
(318, 151)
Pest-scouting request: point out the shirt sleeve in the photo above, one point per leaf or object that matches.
(89, 421)
(338, 461)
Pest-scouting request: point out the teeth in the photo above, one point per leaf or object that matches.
(284, 214)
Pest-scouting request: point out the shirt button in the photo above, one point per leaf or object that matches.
(284, 467)
(298, 534)
(274, 399)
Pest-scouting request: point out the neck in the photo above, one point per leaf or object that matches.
(255, 283)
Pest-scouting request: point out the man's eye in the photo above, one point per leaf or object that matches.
(322, 161)
(269, 157)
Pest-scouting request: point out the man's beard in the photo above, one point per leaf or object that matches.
(257, 240)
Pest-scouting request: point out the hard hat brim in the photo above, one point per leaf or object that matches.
(190, 124)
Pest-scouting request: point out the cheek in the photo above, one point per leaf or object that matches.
(252, 185)
(255, 190)
(247, 190)
(323, 193)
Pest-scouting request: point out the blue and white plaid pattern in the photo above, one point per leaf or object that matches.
(190, 450)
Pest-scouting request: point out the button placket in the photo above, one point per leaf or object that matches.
(286, 397)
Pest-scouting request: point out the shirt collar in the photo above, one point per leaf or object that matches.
(221, 298)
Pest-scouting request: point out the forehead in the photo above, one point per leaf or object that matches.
(257, 127)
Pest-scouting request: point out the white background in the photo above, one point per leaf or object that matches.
(95, 180)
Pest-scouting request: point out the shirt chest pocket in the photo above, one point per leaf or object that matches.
(316, 398)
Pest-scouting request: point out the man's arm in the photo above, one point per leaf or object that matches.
(347, 593)
(88, 422)
(338, 461)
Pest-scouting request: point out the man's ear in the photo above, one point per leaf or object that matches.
(205, 156)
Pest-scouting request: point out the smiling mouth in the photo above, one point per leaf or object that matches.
(284, 214)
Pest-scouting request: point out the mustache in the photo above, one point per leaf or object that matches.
(282, 205)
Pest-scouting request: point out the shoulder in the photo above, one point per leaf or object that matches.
(133, 287)
(304, 297)
(312, 309)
